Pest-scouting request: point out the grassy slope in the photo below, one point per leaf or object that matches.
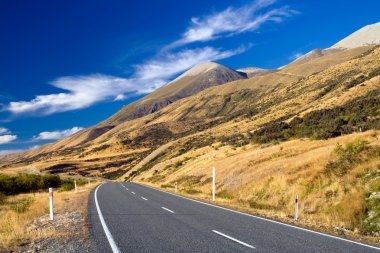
(19, 211)
(209, 128)
(265, 178)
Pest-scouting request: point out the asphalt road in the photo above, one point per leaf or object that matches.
(129, 217)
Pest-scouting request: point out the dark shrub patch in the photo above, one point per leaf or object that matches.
(360, 114)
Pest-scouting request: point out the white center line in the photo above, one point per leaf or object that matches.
(167, 209)
(126, 188)
(144, 198)
(233, 239)
(133, 192)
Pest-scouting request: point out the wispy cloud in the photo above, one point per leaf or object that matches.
(4, 139)
(79, 92)
(232, 21)
(84, 91)
(295, 56)
(4, 130)
(56, 135)
(169, 64)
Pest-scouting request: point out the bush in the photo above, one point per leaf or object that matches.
(347, 157)
(67, 186)
(24, 183)
(359, 114)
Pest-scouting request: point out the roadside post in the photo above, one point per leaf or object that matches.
(296, 209)
(51, 203)
(213, 183)
(75, 183)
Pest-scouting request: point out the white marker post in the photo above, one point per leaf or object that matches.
(75, 183)
(213, 183)
(51, 203)
(296, 209)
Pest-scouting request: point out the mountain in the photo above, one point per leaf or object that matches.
(254, 71)
(198, 78)
(311, 128)
(368, 35)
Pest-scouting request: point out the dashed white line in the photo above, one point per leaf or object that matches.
(144, 198)
(126, 188)
(167, 209)
(111, 241)
(264, 219)
(133, 193)
(234, 239)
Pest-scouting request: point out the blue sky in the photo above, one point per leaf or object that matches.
(67, 65)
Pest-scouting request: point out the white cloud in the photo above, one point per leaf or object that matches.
(295, 56)
(120, 97)
(170, 64)
(7, 138)
(84, 91)
(231, 21)
(56, 135)
(79, 92)
(3, 130)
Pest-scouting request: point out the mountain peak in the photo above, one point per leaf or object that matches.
(203, 68)
(368, 35)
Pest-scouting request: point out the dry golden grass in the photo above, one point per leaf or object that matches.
(264, 180)
(14, 221)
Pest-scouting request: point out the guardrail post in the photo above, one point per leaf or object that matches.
(51, 203)
(296, 208)
(213, 183)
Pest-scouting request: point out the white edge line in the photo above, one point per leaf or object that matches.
(111, 241)
(144, 198)
(133, 192)
(167, 209)
(234, 239)
(265, 219)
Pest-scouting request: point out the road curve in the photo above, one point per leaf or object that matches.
(129, 217)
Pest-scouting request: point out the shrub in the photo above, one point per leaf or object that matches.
(347, 157)
(359, 114)
(67, 186)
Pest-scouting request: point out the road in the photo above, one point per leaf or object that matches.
(129, 217)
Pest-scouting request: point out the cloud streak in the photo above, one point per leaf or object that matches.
(77, 92)
(84, 91)
(4, 130)
(57, 135)
(231, 21)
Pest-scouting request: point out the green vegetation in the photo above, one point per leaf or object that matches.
(349, 156)
(26, 183)
(360, 114)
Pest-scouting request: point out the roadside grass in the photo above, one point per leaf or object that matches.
(17, 212)
(338, 182)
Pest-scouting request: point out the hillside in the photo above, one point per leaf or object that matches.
(368, 35)
(309, 128)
